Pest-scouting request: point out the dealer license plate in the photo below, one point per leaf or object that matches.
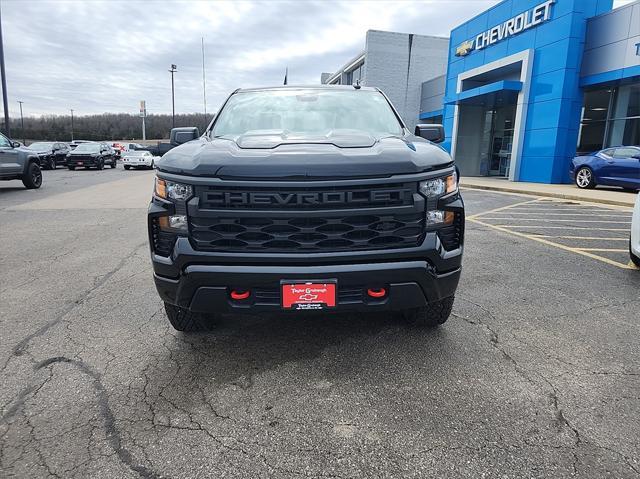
(308, 295)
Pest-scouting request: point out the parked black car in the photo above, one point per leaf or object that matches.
(92, 155)
(50, 154)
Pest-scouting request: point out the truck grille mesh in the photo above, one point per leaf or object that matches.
(307, 234)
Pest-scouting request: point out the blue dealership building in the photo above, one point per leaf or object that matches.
(529, 83)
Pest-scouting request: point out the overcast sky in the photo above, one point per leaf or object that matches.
(105, 56)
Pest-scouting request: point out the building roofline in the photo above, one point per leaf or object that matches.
(359, 57)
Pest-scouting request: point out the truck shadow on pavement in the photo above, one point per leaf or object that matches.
(198, 367)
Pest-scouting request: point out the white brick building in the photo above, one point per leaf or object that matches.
(398, 64)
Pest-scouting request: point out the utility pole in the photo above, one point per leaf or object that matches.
(173, 96)
(24, 141)
(71, 124)
(143, 114)
(204, 83)
(7, 128)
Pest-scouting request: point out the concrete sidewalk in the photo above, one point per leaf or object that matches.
(605, 195)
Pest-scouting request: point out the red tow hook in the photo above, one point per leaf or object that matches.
(377, 292)
(239, 295)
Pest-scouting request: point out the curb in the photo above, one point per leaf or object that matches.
(564, 196)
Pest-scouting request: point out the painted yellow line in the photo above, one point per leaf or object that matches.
(604, 249)
(585, 208)
(551, 243)
(626, 230)
(584, 238)
(557, 221)
(592, 215)
(502, 208)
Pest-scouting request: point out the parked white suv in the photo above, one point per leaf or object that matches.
(634, 242)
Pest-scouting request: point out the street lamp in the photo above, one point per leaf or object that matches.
(71, 124)
(24, 141)
(173, 97)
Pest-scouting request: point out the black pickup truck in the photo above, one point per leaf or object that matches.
(301, 199)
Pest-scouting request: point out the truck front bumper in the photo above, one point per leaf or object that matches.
(206, 288)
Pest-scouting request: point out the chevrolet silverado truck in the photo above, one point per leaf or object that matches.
(299, 199)
(19, 163)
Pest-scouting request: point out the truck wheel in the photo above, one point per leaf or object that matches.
(33, 178)
(434, 314)
(184, 320)
(100, 165)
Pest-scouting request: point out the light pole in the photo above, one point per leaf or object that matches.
(7, 128)
(204, 83)
(24, 141)
(173, 97)
(71, 124)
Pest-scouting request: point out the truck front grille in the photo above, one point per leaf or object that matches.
(300, 233)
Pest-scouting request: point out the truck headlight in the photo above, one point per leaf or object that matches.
(170, 190)
(436, 187)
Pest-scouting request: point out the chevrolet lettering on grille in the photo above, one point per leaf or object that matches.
(242, 198)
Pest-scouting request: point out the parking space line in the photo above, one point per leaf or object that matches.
(602, 238)
(543, 220)
(546, 212)
(551, 243)
(562, 227)
(564, 214)
(503, 208)
(604, 249)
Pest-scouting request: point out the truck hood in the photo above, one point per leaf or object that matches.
(272, 156)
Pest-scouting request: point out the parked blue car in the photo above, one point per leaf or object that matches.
(616, 166)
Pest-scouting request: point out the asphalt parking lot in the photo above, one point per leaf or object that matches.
(536, 374)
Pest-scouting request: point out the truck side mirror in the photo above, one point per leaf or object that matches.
(433, 133)
(183, 135)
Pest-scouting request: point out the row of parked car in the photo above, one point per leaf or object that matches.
(91, 154)
(25, 163)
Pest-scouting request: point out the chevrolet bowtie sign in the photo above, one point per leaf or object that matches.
(464, 48)
(526, 20)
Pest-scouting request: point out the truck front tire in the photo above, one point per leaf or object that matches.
(434, 314)
(187, 321)
(32, 179)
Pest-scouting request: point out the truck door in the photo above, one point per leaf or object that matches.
(9, 165)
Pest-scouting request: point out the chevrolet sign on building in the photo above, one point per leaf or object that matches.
(526, 20)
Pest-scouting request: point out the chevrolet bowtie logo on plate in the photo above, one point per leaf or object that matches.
(464, 48)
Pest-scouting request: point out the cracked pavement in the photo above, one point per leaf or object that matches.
(536, 374)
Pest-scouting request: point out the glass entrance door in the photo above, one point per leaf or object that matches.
(501, 139)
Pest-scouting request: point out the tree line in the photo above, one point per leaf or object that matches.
(106, 126)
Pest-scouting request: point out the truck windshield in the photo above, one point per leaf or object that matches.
(307, 111)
